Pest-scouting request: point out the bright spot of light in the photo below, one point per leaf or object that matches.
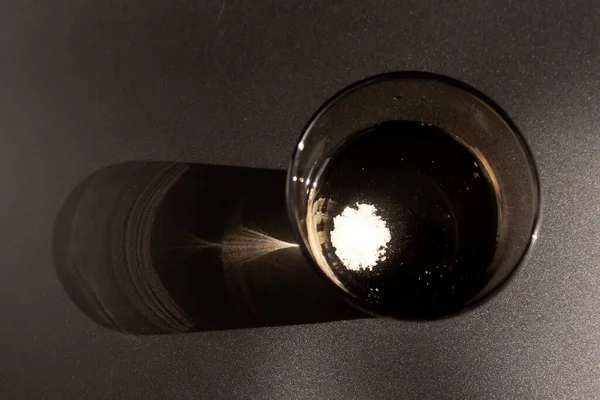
(295, 178)
(534, 236)
(360, 237)
(307, 181)
(301, 146)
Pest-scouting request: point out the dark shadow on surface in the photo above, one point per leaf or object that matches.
(159, 247)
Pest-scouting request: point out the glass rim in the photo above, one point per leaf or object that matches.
(457, 85)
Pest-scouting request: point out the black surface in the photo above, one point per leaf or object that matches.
(86, 84)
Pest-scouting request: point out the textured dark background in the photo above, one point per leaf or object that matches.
(85, 84)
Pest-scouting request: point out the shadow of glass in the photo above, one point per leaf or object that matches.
(160, 247)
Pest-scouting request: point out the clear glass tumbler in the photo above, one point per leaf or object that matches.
(336, 162)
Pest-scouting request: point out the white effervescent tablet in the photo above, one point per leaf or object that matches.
(360, 237)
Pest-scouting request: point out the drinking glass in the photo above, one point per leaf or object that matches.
(472, 119)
